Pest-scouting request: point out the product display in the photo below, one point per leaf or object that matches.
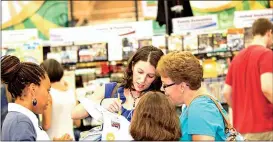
(205, 43)
(215, 87)
(248, 36)
(235, 39)
(63, 54)
(219, 42)
(93, 52)
(190, 42)
(128, 48)
(144, 42)
(175, 42)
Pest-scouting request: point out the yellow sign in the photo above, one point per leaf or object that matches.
(110, 136)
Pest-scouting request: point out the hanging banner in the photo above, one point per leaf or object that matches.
(196, 23)
(123, 38)
(119, 37)
(225, 9)
(139, 29)
(97, 33)
(62, 36)
(246, 18)
(149, 9)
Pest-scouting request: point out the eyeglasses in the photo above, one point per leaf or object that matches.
(166, 86)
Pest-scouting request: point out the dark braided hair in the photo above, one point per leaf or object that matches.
(18, 75)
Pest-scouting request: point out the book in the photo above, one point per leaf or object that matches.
(175, 43)
(205, 43)
(144, 42)
(235, 39)
(190, 43)
(219, 41)
(215, 87)
(128, 47)
(93, 52)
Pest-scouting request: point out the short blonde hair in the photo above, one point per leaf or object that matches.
(181, 66)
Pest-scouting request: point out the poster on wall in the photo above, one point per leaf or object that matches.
(24, 44)
(225, 9)
(197, 23)
(30, 51)
(42, 15)
(10, 37)
(246, 18)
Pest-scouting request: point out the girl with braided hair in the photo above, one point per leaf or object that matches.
(29, 86)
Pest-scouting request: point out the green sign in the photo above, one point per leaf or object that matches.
(157, 29)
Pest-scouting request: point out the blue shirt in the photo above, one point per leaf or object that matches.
(202, 117)
(4, 104)
(18, 127)
(124, 112)
(109, 87)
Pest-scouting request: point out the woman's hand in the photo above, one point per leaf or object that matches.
(65, 137)
(111, 104)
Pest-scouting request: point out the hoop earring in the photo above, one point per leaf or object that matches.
(34, 102)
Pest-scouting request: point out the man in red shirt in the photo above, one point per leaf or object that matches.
(248, 87)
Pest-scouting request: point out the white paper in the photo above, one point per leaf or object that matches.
(99, 113)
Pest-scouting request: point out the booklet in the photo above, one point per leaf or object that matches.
(115, 126)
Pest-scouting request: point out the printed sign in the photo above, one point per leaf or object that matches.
(18, 36)
(246, 18)
(196, 23)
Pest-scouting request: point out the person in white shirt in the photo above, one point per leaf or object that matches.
(57, 117)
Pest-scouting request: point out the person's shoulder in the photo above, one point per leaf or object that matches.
(201, 100)
(17, 117)
(258, 49)
(17, 121)
(202, 104)
(22, 130)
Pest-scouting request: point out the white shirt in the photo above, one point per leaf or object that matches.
(62, 104)
(41, 135)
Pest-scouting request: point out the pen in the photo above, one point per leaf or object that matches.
(119, 111)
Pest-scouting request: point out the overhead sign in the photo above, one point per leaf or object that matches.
(246, 18)
(196, 23)
(18, 36)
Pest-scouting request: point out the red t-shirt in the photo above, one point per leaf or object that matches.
(252, 112)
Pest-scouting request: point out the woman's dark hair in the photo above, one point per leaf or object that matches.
(54, 70)
(155, 119)
(18, 75)
(148, 54)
